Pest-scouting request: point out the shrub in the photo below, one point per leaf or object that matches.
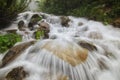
(100, 10)
(8, 40)
(9, 10)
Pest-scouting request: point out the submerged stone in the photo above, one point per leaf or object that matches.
(88, 46)
(35, 18)
(46, 28)
(17, 73)
(95, 35)
(33, 21)
(14, 52)
(71, 53)
(80, 24)
(21, 25)
(64, 21)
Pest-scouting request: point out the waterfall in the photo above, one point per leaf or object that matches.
(80, 49)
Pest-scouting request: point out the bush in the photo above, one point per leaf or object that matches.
(100, 10)
(9, 10)
(8, 40)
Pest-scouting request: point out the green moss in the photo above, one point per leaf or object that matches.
(39, 34)
(8, 40)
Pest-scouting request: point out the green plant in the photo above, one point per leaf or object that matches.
(39, 34)
(8, 40)
(9, 9)
(101, 10)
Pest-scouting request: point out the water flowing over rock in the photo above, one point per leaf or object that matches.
(14, 52)
(46, 28)
(64, 21)
(73, 49)
(21, 25)
(17, 74)
(70, 53)
(87, 45)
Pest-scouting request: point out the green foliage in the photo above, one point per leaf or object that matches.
(100, 10)
(39, 34)
(9, 10)
(8, 40)
(58, 6)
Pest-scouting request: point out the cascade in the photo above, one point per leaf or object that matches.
(72, 49)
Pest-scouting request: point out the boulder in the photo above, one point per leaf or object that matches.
(21, 25)
(87, 45)
(17, 73)
(64, 21)
(31, 26)
(80, 24)
(116, 23)
(14, 52)
(34, 20)
(95, 35)
(71, 53)
(46, 28)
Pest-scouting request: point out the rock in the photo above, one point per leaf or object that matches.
(102, 65)
(88, 46)
(21, 25)
(70, 52)
(95, 35)
(31, 26)
(62, 77)
(34, 20)
(17, 73)
(64, 21)
(14, 52)
(11, 31)
(80, 24)
(116, 23)
(46, 28)
(26, 16)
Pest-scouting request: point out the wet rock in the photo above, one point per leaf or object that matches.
(80, 24)
(34, 20)
(102, 65)
(88, 46)
(64, 21)
(17, 73)
(46, 28)
(14, 52)
(57, 76)
(70, 52)
(26, 16)
(31, 26)
(95, 35)
(116, 23)
(21, 25)
(11, 31)
(53, 37)
(62, 77)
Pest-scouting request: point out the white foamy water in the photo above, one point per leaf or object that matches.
(43, 60)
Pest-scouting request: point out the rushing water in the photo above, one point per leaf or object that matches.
(61, 58)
